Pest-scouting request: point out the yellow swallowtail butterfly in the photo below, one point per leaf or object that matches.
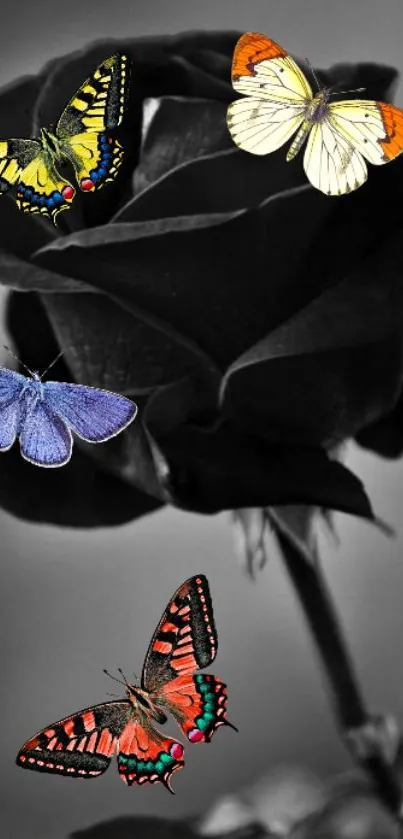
(279, 102)
(81, 137)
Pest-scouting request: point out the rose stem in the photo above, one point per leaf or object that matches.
(349, 704)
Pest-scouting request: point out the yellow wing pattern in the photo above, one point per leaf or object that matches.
(82, 138)
(95, 158)
(42, 191)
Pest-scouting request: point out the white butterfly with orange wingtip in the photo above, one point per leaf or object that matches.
(280, 100)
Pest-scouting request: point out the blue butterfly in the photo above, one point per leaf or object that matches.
(43, 415)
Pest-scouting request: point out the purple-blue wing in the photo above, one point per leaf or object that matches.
(11, 387)
(9, 419)
(11, 384)
(45, 440)
(95, 415)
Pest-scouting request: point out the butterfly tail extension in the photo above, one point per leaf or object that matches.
(42, 191)
(146, 756)
(96, 159)
(198, 703)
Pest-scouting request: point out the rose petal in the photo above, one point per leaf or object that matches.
(223, 470)
(24, 276)
(241, 181)
(229, 271)
(108, 347)
(322, 364)
(180, 129)
(80, 494)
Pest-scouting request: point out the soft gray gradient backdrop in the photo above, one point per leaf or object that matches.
(72, 603)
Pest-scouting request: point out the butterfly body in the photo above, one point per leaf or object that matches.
(82, 745)
(43, 414)
(315, 113)
(279, 103)
(81, 138)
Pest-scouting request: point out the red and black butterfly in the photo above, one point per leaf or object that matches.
(81, 746)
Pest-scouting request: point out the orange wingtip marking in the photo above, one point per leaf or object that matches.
(162, 647)
(393, 123)
(251, 49)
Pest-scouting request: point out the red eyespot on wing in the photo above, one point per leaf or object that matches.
(68, 192)
(177, 750)
(195, 735)
(87, 184)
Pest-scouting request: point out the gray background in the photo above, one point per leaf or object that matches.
(74, 602)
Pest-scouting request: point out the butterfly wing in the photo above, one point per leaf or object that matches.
(198, 703)
(146, 756)
(277, 95)
(350, 133)
(80, 746)
(41, 190)
(185, 639)
(83, 128)
(11, 387)
(95, 415)
(45, 440)
(15, 155)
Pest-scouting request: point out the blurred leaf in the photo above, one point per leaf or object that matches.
(284, 796)
(379, 737)
(385, 437)
(351, 816)
(142, 827)
(250, 526)
(227, 816)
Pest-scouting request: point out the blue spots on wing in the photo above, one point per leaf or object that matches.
(27, 193)
(106, 150)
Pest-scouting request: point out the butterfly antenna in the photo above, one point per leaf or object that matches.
(123, 677)
(318, 85)
(354, 90)
(19, 360)
(119, 681)
(51, 365)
